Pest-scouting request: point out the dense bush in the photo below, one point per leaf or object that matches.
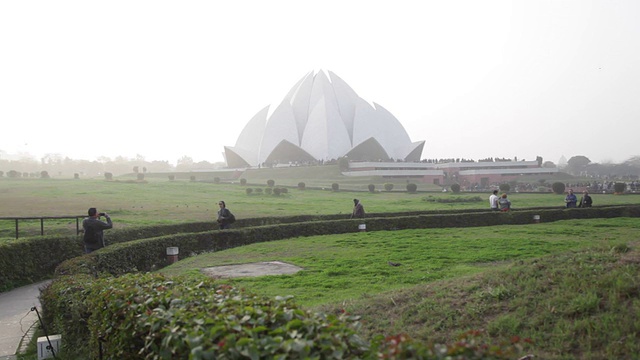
(558, 187)
(335, 187)
(268, 191)
(505, 187)
(412, 188)
(76, 176)
(284, 190)
(301, 186)
(619, 187)
(192, 178)
(216, 180)
(44, 174)
(456, 199)
(140, 176)
(108, 176)
(243, 181)
(271, 183)
(258, 190)
(371, 187)
(172, 177)
(388, 186)
(277, 191)
(248, 191)
(455, 188)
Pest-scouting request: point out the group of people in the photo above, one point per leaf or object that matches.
(501, 203)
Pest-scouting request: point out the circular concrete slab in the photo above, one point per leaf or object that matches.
(252, 269)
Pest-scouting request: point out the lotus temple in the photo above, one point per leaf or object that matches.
(320, 119)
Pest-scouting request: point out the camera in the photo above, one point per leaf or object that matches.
(102, 214)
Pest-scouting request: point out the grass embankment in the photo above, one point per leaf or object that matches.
(559, 284)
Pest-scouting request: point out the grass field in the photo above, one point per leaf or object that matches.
(160, 201)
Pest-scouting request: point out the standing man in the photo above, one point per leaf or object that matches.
(493, 201)
(93, 236)
(358, 210)
(571, 199)
(585, 200)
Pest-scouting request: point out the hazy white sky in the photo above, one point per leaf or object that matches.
(475, 79)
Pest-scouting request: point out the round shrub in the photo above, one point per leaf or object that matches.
(107, 175)
(619, 187)
(258, 190)
(192, 178)
(271, 183)
(277, 191)
(140, 176)
(268, 191)
(249, 191)
(172, 177)
(388, 186)
(301, 186)
(335, 187)
(504, 187)
(372, 188)
(284, 190)
(558, 187)
(216, 180)
(455, 188)
(243, 181)
(412, 188)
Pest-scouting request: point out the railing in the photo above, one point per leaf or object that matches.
(42, 219)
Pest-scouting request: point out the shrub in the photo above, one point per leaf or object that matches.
(1, 173)
(216, 180)
(619, 187)
(44, 174)
(172, 177)
(268, 191)
(335, 187)
(388, 186)
(284, 190)
(140, 176)
(504, 187)
(108, 176)
(76, 176)
(412, 188)
(301, 186)
(243, 181)
(558, 187)
(258, 190)
(455, 188)
(371, 187)
(192, 178)
(271, 183)
(248, 191)
(277, 191)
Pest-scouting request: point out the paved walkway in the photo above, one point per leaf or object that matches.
(16, 317)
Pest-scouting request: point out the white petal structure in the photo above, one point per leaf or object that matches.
(322, 118)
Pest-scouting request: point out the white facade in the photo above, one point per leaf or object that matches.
(322, 118)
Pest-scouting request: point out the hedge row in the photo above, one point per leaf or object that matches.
(29, 260)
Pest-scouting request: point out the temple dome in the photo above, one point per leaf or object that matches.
(322, 118)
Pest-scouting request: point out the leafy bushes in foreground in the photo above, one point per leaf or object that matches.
(150, 316)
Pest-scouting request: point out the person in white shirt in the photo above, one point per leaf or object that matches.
(493, 201)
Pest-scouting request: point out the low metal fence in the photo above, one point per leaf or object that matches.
(42, 219)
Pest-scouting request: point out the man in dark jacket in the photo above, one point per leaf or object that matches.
(358, 209)
(93, 236)
(585, 200)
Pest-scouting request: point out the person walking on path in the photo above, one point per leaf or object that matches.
(225, 217)
(93, 230)
(585, 200)
(571, 199)
(358, 210)
(493, 201)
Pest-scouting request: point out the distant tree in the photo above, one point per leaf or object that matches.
(372, 188)
(44, 174)
(558, 187)
(248, 191)
(301, 186)
(455, 188)
(388, 186)
(504, 187)
(343, 163)
(412, 188)
(140, 176)
(335, 187)
(172, 177)
(192, 178)
(144, 169)
(548, 164)
(243, 181)
(108, 176)
(216, 180)
(619, 187)
(76, 176)
(13, 174)
(539, 160)
(578, 163)
(271, 183)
